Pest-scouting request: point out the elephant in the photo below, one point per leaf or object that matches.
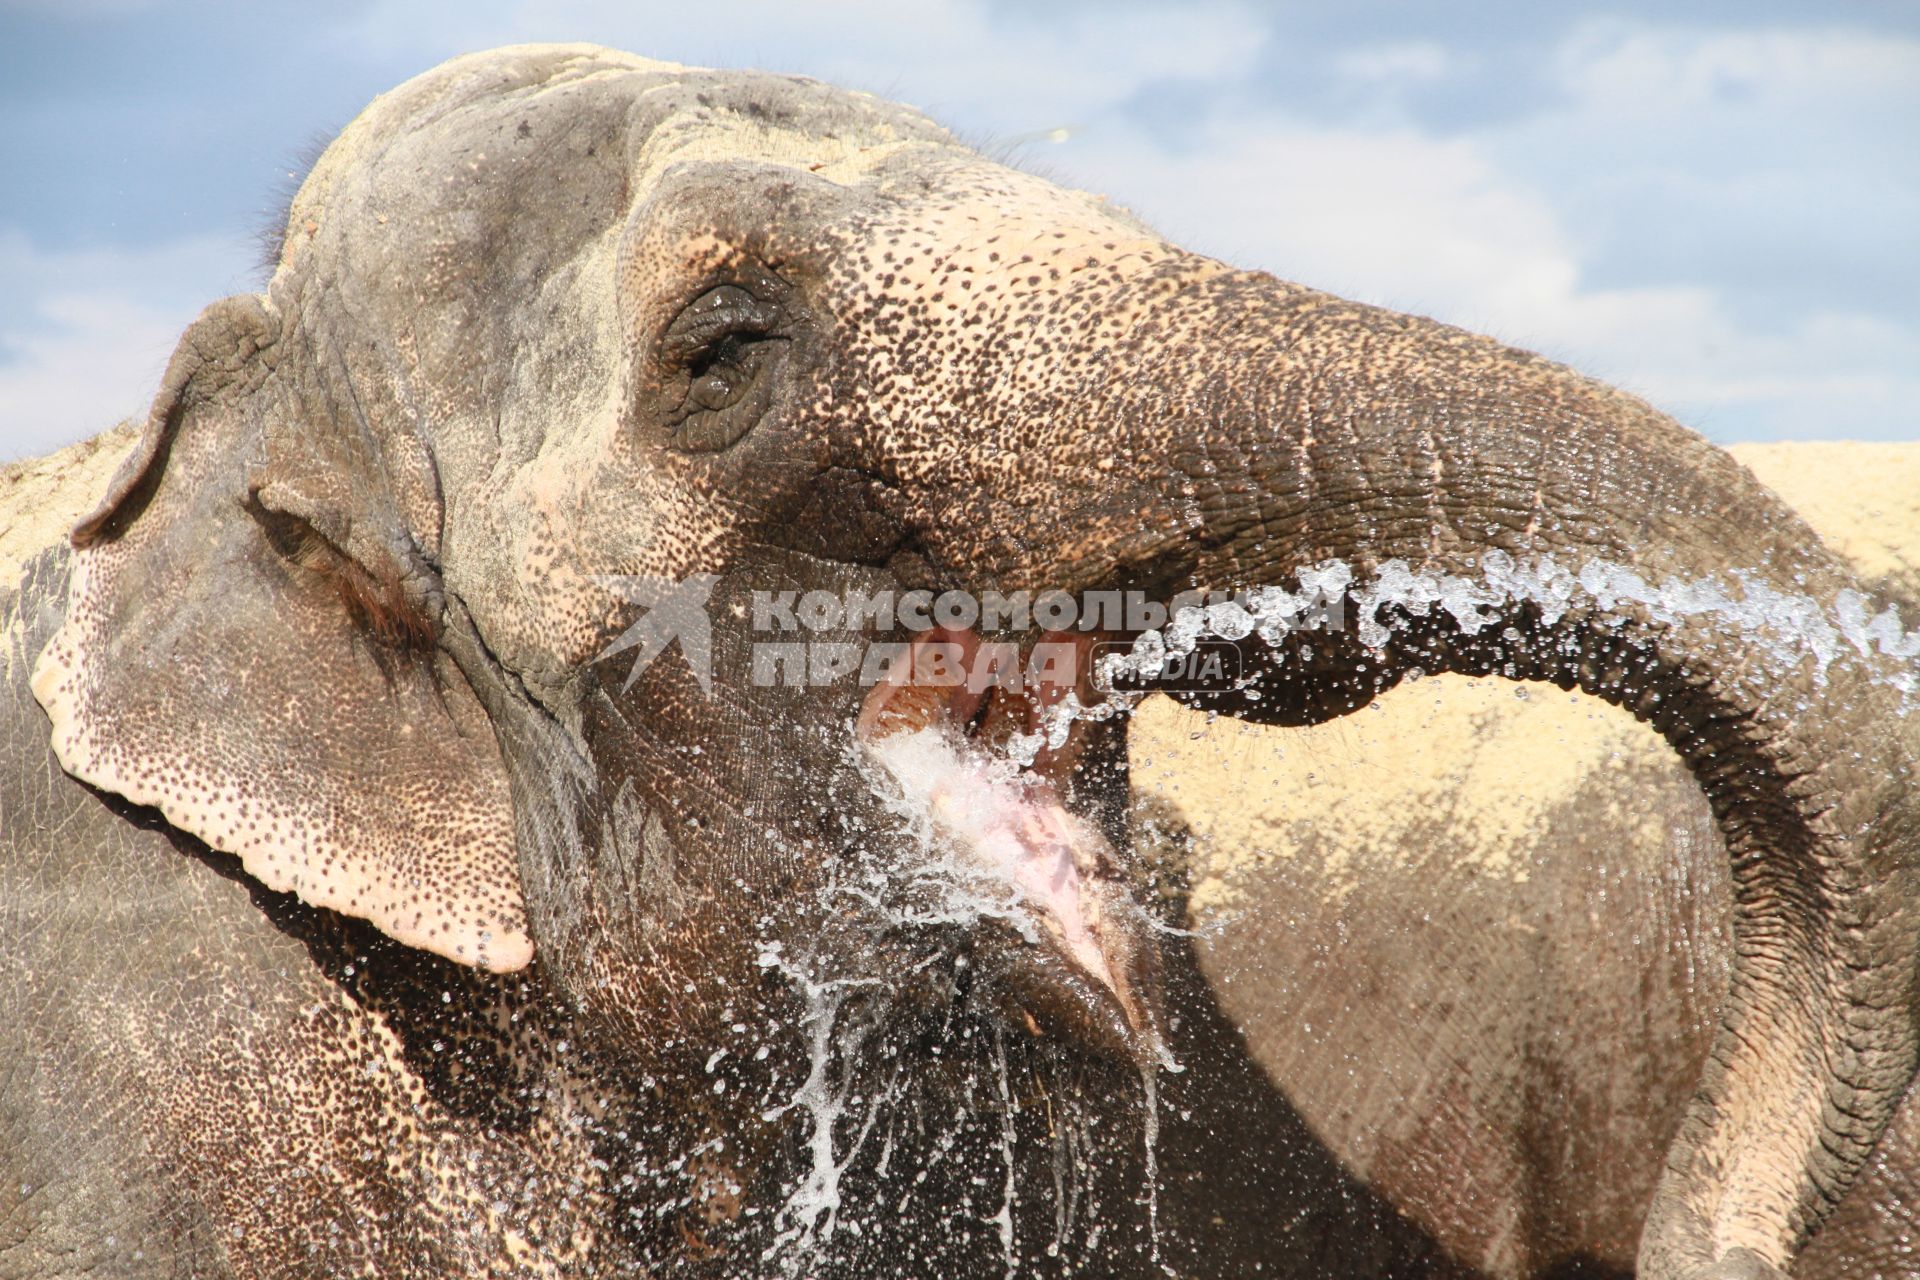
(419, 860)
(1562, 823)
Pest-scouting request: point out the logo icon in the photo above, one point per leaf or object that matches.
(674, 611)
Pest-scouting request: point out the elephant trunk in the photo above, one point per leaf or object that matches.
(1500, 514)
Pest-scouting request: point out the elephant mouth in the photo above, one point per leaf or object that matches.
(979, 769)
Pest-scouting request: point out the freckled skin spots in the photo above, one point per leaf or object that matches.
(555, 314)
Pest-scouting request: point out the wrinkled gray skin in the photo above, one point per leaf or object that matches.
(552, 314)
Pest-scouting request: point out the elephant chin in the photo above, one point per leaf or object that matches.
(970, 767)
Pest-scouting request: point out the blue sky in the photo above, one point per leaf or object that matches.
(1714, 205)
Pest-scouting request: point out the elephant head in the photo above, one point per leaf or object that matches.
(555, 330)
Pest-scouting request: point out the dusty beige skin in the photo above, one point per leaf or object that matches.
(1364, 810)
(42, 498)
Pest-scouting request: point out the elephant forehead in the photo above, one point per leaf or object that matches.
(981, 310)
(436, 142)
(728, 118)
(453, 108)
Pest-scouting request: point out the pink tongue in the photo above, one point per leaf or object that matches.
(1013, 828)
(1024, 833)
(986, 693)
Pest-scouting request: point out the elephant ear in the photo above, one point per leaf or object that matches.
(249, 647)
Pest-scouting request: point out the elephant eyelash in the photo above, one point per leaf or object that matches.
(381, 608)
(732, 347)
(378, 604)
(726, 370)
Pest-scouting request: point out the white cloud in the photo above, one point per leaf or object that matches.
(1746, 125)
(90, 332)
(1397, 64)
(1393, 217)
(1631, 70)
(1488, 228)
(1004, 70)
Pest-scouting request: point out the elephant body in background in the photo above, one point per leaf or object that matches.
(1424, 950)
(413, 860)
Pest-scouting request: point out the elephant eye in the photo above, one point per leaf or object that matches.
(727, 347)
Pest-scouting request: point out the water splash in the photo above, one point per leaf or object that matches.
(1788, 627)
(1150, 1142)
(944, 880)
(806, 1223)
(1003, 1220)
(896, 1141)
